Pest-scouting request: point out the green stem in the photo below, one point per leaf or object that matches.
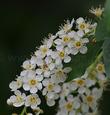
(23, 111)
(92, 66)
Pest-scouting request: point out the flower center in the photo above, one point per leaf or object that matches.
(62, 54)
(19, 98)
(50, 87)
(45, 67)
(29, 66)
(78, 44)
(19, 83)
(33, 99)
(69, 106)
(59, 73)
(80, 82)
(66, 39)
(32, 82)
(90, 99)
(82, 26)
(100, 68)
(44, 50)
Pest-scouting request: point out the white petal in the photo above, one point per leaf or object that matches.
(85, 108)
(50, 95)
(54, 55)
(39, 61)
(26, 87)
(57, 88)
(76, 104)
(48, 60)
(45, 82)
(33, 90)
(18, 104)
(39, 71)
(9, 102)
(39, 78)
(58, 61)
(67, 69)
(67, 59)
(44, 92)
(24, 73)
(58, 41)
(17, 92)
(46, 73)
(39, 86)
(74, 51)
(72, 113)
(83, 49)
(85, 40)
(13, 85)
(50, 103)
(81, 90)
(80, 33)
(51, 66)
(80, 20)
(59, 47)
(71, 34)
(34, 106)
(67, 50)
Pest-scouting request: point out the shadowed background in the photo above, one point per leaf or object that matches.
(22, 27)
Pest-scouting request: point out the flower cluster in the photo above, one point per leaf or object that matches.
(81, 96)
(45, 72)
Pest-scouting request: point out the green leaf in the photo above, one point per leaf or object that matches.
(80, 62)
(101, 31)
(106, 55)
(103, 28)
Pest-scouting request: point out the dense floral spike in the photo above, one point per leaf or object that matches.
(86, 90)
(45, 72)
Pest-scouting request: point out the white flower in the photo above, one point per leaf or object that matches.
(28, 65)
(50, 86)
(32, 83)
(92, 97)
(46, 68)
(100, 68)
(82, 25)
(90, 82)
(14, 85)
(60, 74)
(33, 101)
(36, 60)
(38, 111)
(63, 40)
(51, 91)
(80, 85)
(78, 45)
(49, 42)
(66, 90)
(67, 27)
(100, 72)
(97, 11)
(43, 51)
(62, 55)
(69, 106)
(18, 99)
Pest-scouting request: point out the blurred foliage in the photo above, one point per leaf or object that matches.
(22, 27)
(103, 33)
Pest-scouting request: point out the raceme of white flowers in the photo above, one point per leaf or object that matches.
(45, 72)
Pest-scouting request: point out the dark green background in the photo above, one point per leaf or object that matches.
(23, 26)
